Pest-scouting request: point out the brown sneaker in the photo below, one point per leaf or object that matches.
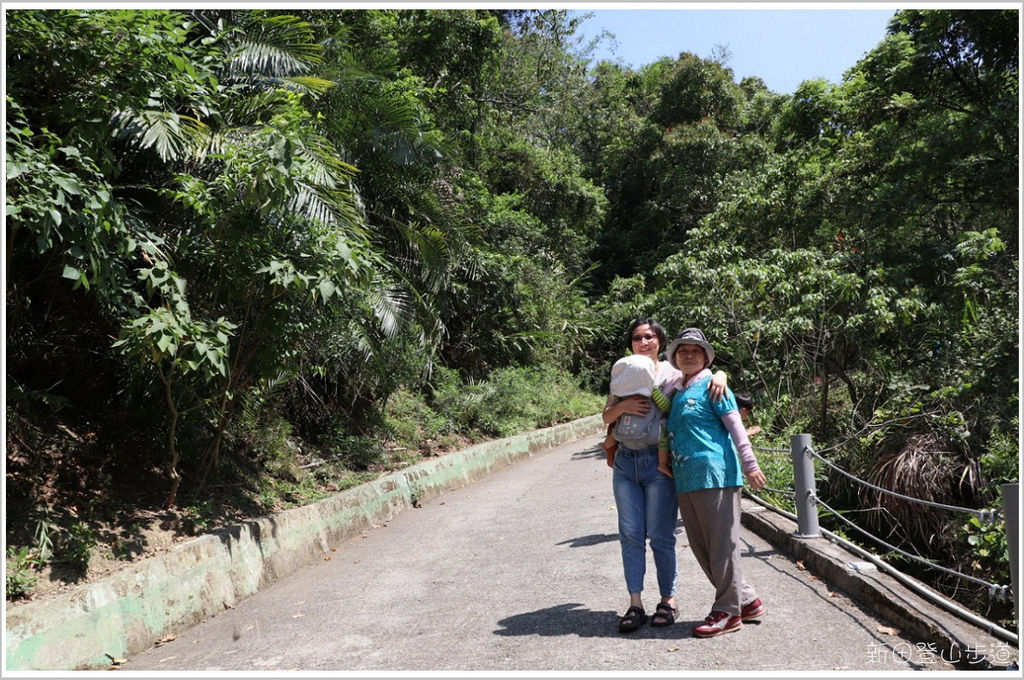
(717, 623)
(753, 610)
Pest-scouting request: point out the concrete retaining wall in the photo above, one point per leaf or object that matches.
(127, 612)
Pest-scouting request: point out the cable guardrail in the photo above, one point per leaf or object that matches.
(781, 492)
(806, 501)
(993, 588)
(911, 583)
(988, 516)
(902, 421)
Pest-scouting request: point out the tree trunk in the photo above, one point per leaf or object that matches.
(172, 435)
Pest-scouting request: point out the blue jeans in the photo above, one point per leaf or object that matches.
(646, 502)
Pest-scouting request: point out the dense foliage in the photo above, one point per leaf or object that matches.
(240, 236)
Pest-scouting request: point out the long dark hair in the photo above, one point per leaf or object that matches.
(654, 325)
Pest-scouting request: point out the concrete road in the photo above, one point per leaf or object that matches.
(520, 571)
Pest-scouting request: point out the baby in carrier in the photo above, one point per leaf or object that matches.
(634, 375)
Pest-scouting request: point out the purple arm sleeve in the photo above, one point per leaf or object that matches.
(734, 424)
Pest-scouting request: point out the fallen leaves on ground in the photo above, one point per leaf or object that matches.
(165, 639)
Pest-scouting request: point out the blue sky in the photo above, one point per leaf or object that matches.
(783, 47)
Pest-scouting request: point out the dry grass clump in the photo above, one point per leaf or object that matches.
(925, 467)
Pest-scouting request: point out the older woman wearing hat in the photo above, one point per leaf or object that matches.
(708, 446)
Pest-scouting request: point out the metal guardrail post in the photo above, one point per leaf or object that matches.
(803, 483)
(1011, 514)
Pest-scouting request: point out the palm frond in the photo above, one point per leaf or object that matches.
(255, 104)
(347, 70)
(391, 308)
(396, 115)
(250, 56)
(429, 246)
(278, 45)
(338, 208)
(307, 84)
(312, 86)
(324, 164)
(308, 203)
(173, 135)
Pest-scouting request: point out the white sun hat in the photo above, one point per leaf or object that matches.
(633, 374)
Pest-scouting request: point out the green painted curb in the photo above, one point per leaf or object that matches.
(127, 612)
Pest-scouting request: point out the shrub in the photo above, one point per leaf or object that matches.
(355, 453)
(411, 423)
(1000, 462)
(20, 575)
(514, 400)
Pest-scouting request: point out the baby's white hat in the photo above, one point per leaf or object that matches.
(633, 375)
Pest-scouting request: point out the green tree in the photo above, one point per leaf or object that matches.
(667, 169)
(866, 274)
(218, 215)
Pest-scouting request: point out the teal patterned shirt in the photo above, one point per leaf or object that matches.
(703, 454)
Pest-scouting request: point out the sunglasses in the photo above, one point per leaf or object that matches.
(646, 336)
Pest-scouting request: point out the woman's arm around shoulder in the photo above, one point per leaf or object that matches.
(717, 385)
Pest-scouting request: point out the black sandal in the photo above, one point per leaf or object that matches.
(632, 619)
(664, 615)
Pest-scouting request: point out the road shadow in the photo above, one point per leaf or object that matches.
(573, 619)
(596, 452)
(592, 539)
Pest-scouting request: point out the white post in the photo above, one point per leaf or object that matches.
(1011, 513)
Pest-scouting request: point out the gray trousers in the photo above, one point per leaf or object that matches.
(712, 521)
